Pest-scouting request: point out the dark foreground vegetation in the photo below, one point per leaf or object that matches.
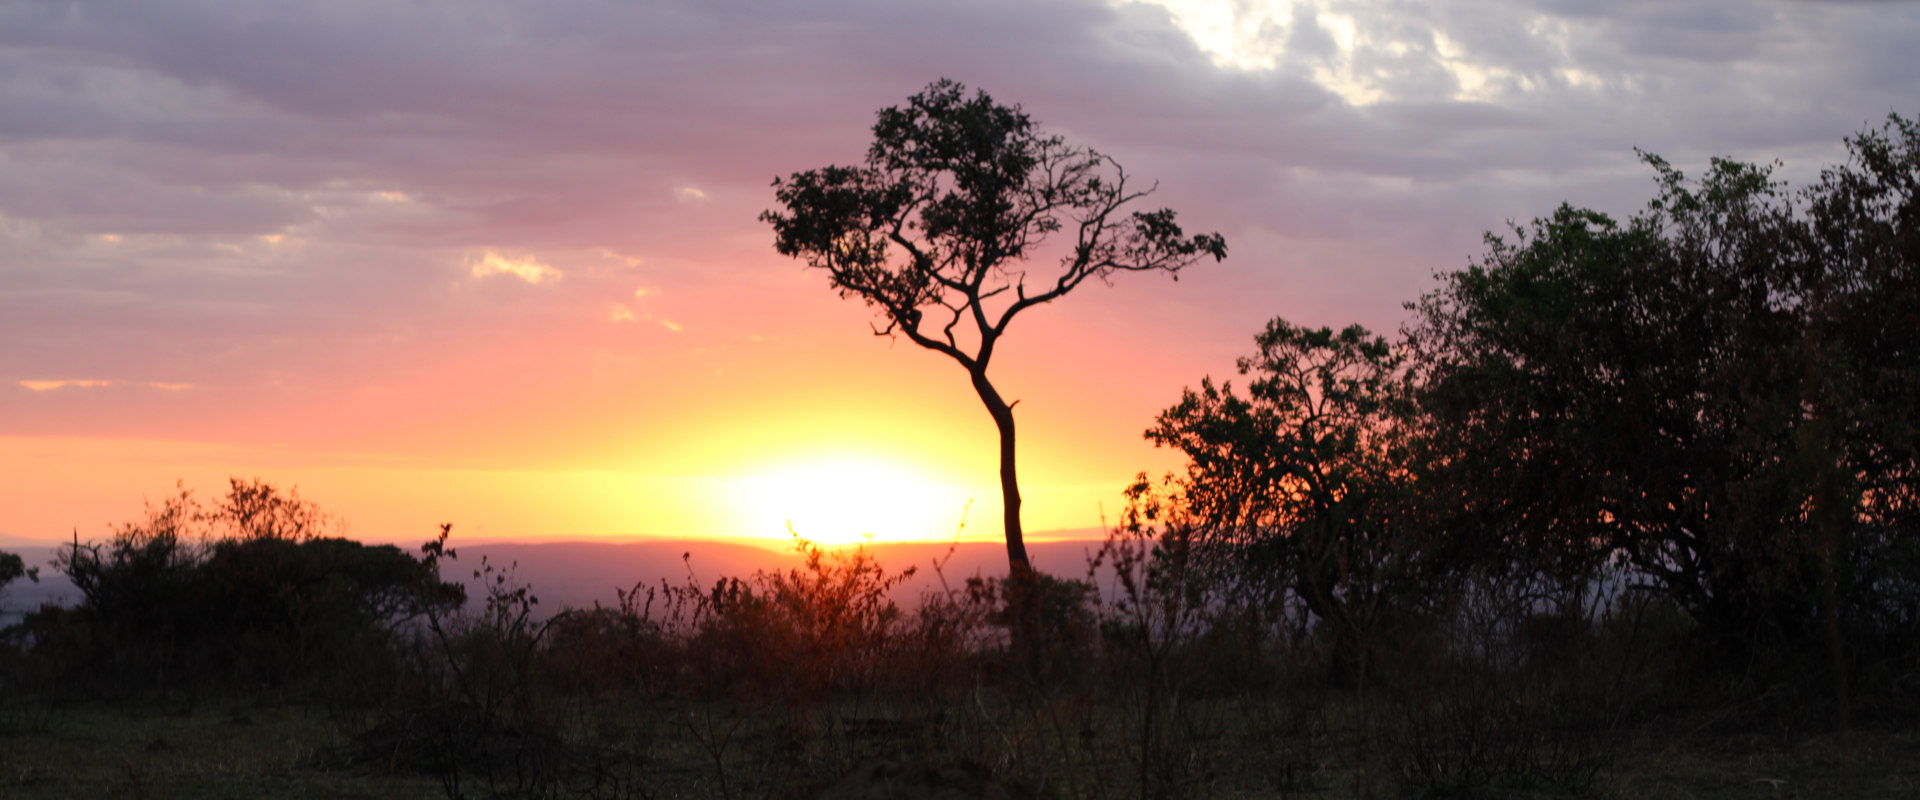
(1629, 510)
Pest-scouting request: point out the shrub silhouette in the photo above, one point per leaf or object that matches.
(284, 608)
(824, 627)
(246, 590)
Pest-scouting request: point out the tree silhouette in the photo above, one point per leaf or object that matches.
(1718, 391)
(244, 588)
(1302, 485)
(936, 230)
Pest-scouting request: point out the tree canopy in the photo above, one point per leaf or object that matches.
(1299, 490)
(1717, 395)
(1719, 391)
(937, 229)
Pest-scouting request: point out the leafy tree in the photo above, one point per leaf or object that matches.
(280, 608)
(1718, 391)
(936, 229)
(1300, 488)
(247, 586)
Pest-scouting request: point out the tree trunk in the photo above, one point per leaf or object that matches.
(1017, 563)
(1831, 509)
(1022, 588)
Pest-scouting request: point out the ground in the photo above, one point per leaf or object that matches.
(284, 750)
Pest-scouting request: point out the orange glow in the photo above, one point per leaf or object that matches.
(711, 434)
(847, 499)
(54, 487)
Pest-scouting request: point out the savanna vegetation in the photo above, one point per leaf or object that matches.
(1627, 509)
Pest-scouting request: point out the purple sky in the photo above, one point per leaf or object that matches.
(467, 233)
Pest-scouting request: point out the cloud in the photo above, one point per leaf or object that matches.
(624, 313)
(630, 261)
(270, 192)
(526, 269)
(48, 386)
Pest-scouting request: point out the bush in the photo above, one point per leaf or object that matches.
(244, 591)
(825, 627)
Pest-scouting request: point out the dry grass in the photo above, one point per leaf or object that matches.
(1859, 765)
(1068, 745)
(243, 751)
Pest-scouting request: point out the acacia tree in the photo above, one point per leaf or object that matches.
(937, 229)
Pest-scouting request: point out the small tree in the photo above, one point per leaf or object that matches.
(1302, 486)
(936, 230)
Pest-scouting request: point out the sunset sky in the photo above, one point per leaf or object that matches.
(497, 263)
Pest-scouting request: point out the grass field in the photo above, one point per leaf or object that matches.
(1067, 746)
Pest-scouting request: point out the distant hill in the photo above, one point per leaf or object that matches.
(580, 574)
(23, 595)
(14, 543)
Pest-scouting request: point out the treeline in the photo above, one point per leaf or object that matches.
(1713, 403)
(1612, 473)
(255, 589)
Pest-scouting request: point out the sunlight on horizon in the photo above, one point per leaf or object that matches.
(848, 499)
(55, 488)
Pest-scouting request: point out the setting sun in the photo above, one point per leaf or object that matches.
(848, 499)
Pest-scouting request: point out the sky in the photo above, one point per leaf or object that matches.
(498, 263)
